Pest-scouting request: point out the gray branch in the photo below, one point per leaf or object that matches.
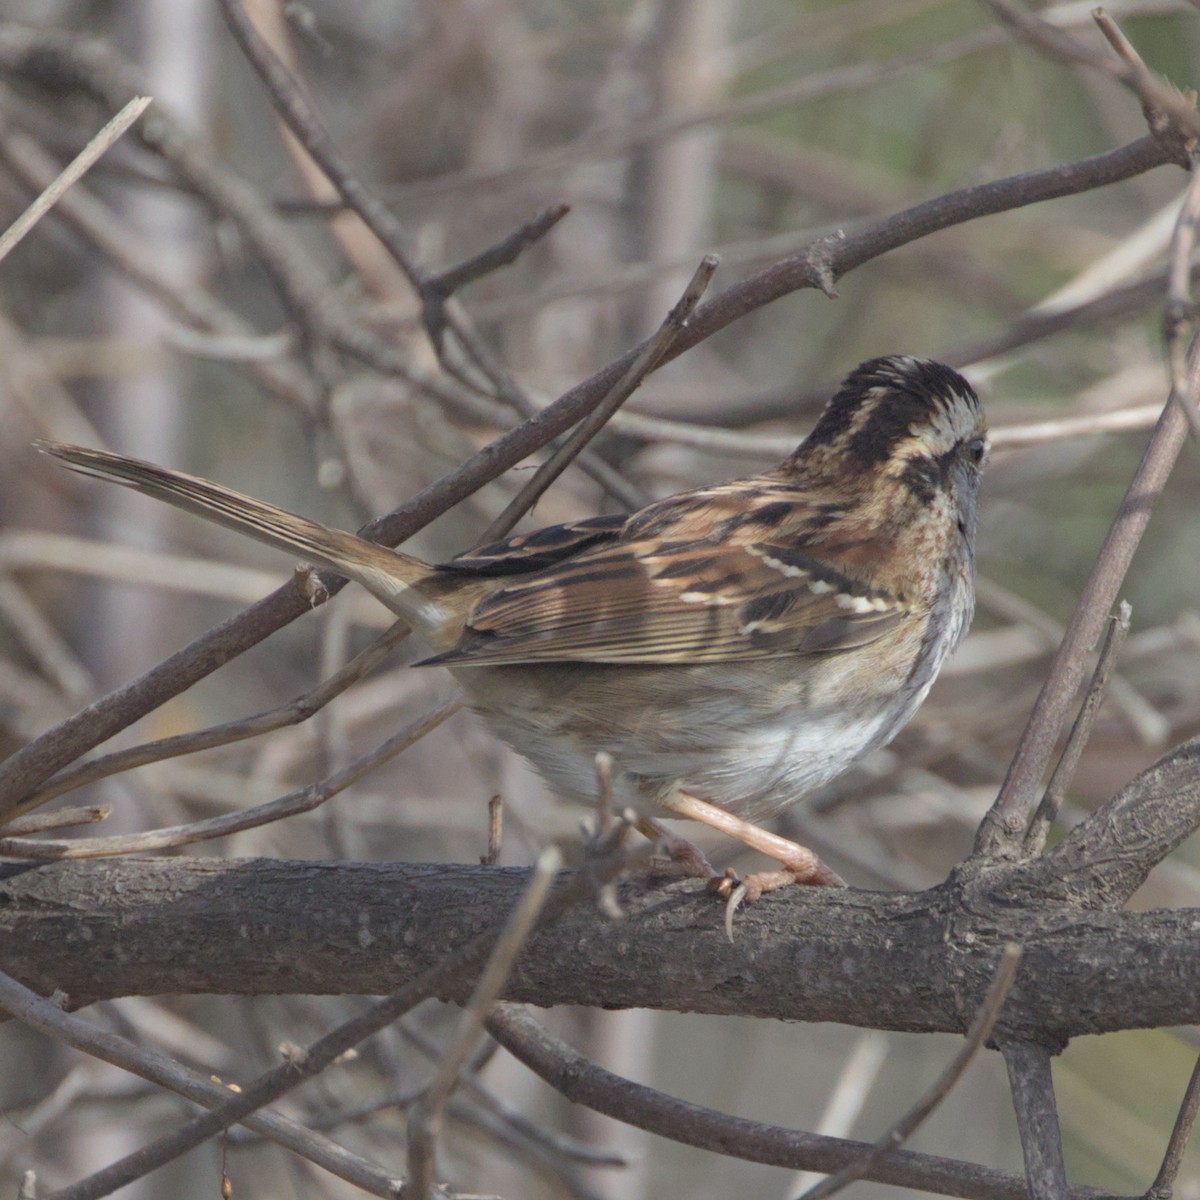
(103, 928)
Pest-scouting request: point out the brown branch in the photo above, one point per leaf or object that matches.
(915, 1117)
(502, 254)
(301, 800)
(159, 1068)
(1164, 1182)
(101, 227)
(1107, 857)
(583, 1082)
(61, 818)
(1003, 828)
(71, 174)
(647, 358)
(1081, 730)
(229, 732)
(298, 115)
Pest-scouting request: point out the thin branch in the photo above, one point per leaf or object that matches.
(907, 1125)
(293, 713)
(159, 1068)
(1179, 317)
(1163, 105)
(502, 254)
(1164, 1182)
(1081, 731)
(1003, 827)
(123, 249)
(648, 357)
(61, 818)
(585, 1083)
(301, 800)
(289, 101)
(1037, 1119)
(425, 1120)
(71, 173)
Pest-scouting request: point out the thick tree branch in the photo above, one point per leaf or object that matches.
(1107, 857)
(917, 962)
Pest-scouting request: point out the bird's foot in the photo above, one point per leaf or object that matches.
(684, 859)
(805, 869)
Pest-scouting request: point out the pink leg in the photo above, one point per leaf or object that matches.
(799, 863)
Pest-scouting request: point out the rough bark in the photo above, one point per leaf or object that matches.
(917, 962)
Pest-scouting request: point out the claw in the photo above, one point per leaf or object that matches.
(731, 906)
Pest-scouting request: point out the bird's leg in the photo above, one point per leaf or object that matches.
(799, 863)
(686, 859)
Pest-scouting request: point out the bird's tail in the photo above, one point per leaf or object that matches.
(392, 577)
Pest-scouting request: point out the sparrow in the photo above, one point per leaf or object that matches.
(731, 648)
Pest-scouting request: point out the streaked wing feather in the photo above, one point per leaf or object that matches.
(671, 596)
(527, 552)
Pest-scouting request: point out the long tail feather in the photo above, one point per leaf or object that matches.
(392, 577)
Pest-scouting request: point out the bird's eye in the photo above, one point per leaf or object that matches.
(978, 449)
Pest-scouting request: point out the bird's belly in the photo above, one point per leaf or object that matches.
(751, 740)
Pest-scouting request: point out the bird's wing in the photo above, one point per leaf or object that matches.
(714, 576)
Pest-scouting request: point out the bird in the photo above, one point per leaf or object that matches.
(731, 648)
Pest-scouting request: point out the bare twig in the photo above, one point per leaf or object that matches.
(777, 445)
(122, 248)
(1003, 828)
(74, 171)
(502, 254)
(649, 356)
(1179, 316)
(159, 1068)
(286, 94)
(583, 1082)
(292, 713)
(495, 831)
(291, 104)
(302, 800)
(61, 818)
(903, 1129)
(1164, 1182)
(1037, 1118)
(426, 1118)
(1081, 730)
(1164, 106)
